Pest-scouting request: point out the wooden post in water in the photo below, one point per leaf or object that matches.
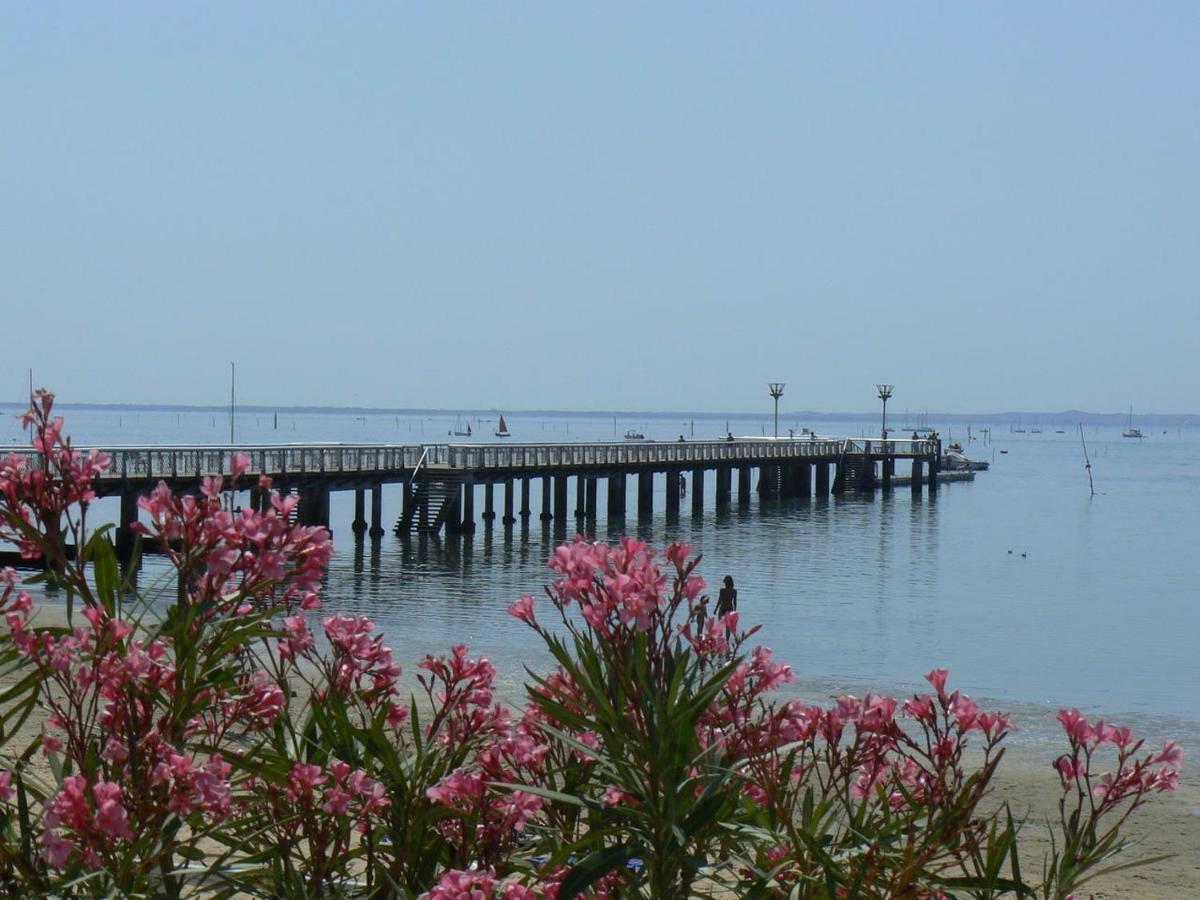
(917, 474)
(125, 533)
(804, 480)
(359, 525)
(509, 518)
(645, 494)
(526, 512)
(617, 494)
(822, 481)
(376, 511)
(698, 491)
(590, 499)
(580, 496)
(467, 524)
(560, 499)
(673, 494)
(489, 504)
(546, 514)
(724, 486)
(744, 488)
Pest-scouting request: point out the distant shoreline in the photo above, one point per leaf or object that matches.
(1063, 418)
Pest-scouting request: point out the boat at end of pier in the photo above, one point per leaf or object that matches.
(954, 460)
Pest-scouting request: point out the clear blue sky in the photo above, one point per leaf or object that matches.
(649, 206)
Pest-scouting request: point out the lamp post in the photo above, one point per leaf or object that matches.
(885, 392)
(775, 389)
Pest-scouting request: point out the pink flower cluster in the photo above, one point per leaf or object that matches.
(340, 791)
(90, 819)
(361, 662)
(247, 552)
(1136, 775)
(36, 491)
(621, 585)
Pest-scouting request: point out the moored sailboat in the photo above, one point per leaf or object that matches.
(1130, 431)
(502, 429)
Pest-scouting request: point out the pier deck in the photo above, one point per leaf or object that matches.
(440, 481)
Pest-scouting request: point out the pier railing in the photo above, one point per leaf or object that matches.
(526, 456)
(142, 463)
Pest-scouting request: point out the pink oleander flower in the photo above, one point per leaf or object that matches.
(523, 609)
(937, 678)
(459, 884)
(1076, 726)
(677, 553)
(6, 788)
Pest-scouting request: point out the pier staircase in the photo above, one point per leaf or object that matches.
(432, 502)
(855, 473)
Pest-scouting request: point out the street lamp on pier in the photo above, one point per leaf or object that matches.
(885, 392)
(775, 389)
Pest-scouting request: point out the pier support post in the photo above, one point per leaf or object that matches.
(467, 524)
(768, 482)
(525, 510)
(804, 480)
(125, 533)
(698, 492)
(489, 504)
(917, 475)
(787, 484)
(376, 511)
(645, 494)
(359, 525)
(889, 465)
(822, 480)
(453, 518)
(560, 499)
(935, 466)
(673, 494)
(580, 496)
(724, 486)
(589, 506)
(509, 518)
(616, 494)
(744, 484)
(313, 508)
(546, 514)
(407, 511)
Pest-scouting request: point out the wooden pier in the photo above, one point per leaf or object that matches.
(444, 486)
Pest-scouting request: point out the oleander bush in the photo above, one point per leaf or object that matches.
(230, 742)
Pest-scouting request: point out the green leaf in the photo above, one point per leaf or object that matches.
(593, 867)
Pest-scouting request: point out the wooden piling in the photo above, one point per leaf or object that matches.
(376, 511)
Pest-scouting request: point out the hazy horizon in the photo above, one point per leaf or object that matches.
(625, 206)
(894, 415)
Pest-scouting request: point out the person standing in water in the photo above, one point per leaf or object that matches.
(727, 599)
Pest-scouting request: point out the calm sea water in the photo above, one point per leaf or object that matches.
(1032, 592)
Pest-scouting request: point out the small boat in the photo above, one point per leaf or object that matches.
(458, 432)
(954, 460)
(502, 429)
(1003, 451)
(1059, 431)
(1130, 431)
(634, 435)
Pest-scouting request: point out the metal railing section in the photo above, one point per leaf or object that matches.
(297, 460)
